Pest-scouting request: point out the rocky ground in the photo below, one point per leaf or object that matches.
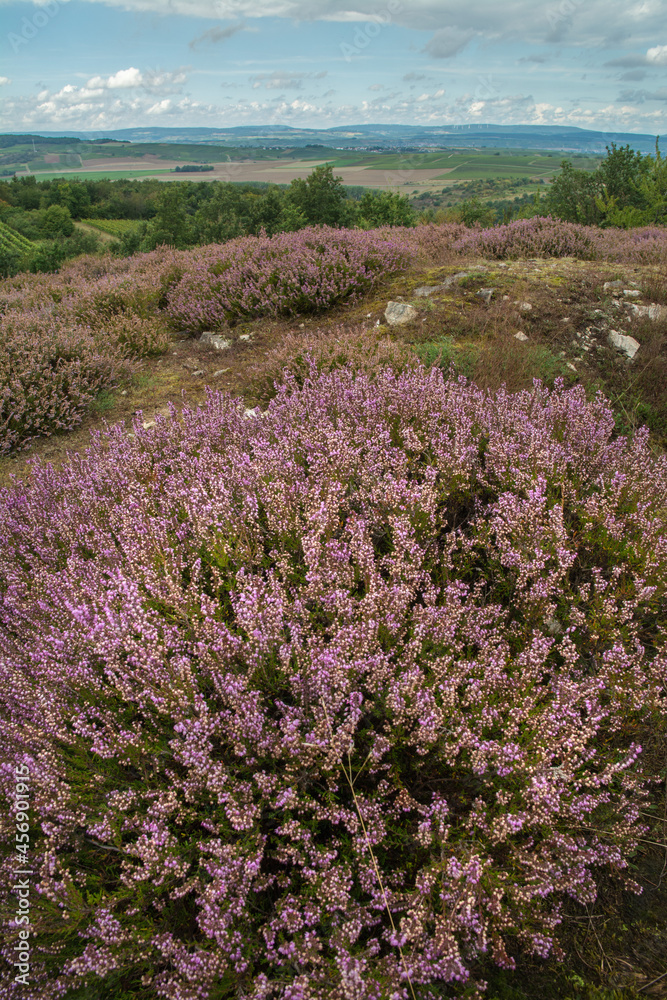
(495, 321)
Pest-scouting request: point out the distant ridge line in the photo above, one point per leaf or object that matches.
(553, 137)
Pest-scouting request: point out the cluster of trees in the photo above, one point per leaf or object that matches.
(627, 189)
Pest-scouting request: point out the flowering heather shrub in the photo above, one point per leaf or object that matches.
(49, 373)
(547, 237)
(432, 242)
(357, 347)
(328, 703)
(66, 336)
(285, 274)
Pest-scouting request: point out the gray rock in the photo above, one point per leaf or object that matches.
(425, 290)
(627, 345)
(520, 335)
(611, 285)
(654, 311)
(453, 279)
(524, 306)
(398, 313)
(631, 293)
(221, 371)
(486, 294)
(245, 336)
(200, 371)
(215, 340)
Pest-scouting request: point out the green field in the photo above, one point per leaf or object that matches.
(470, 164)
(101, 175)
(113, 227)
(11, 240)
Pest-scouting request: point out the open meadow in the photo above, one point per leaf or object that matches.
(333, 571)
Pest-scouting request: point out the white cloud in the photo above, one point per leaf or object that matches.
(658, 54)
(131, 77)
(4, 80)
(593, 22)
(125, 78)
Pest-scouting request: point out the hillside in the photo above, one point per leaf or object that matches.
(340, 642)
(567, 138)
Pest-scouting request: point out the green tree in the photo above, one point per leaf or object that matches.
(384, 208)
(56, 222)
(171, 224)
(321, 197)
(573, 196)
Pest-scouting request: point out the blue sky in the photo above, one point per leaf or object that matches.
(103, 64)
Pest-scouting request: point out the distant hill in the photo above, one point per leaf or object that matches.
(381, 137)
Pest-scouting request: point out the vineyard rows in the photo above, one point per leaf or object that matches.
(11, 240)
(114, 227)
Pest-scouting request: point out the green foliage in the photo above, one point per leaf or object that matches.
(56, 222)
(171, 224)
(627, 190)
(384, 208)
(320, 197)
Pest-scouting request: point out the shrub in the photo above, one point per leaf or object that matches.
(285, 274)
(358, 348)
(333, 699)
(49, 373)
(547, 237)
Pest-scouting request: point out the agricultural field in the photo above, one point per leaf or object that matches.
(11, 240)
(420, 171)
(112, 227)
(357, 596)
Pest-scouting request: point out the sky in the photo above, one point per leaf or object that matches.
(103, 64)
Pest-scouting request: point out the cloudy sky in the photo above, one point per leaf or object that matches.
(103, 64)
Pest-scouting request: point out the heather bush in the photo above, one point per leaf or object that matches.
(333, 702)
(65, 337)
(547, 237)
(285, 274)
(50, 372)
(357, 347)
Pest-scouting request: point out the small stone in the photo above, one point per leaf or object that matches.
(124, 392)
(215, 340)
(565, 319)
(520, 335)
(631, 293)
(610, 285)
(654, 311)
(553, 626)
(524, 306)
(628, 345)
(506, 298)
(147, 424)
(200, 371)
(398, 313)
(453, 279)
(221, 371)
(248, 336)
(570, 366)
(486, 294)
(250, 412)
(424, 291)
